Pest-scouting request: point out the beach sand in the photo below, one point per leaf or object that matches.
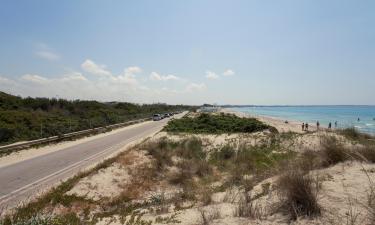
(279, 124)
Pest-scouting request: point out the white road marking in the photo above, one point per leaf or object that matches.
(40, 181)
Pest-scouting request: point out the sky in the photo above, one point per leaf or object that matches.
(290, 52)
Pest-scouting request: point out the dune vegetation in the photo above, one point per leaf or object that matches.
(230, 178)
(216, 124)
(32, 118)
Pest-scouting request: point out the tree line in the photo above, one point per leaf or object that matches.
(29, 118)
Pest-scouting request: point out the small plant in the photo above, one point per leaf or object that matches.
(299, 193)
(367, 153)
(333, 151)
(248, 208)
(208, 216)
(353, 134)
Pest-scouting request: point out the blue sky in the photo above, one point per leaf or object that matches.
(190, 52)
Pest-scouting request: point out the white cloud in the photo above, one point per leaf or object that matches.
(45, 52)
(48, 55)
(91, 67)
(128, 79)
(34, 78)
(195, 87)
(133, 70)
(156, 76)
(211, 75)
(4, 80)
(74, 76)
(228, 73)
(110, 87)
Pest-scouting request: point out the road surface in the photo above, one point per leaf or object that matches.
(21, 180)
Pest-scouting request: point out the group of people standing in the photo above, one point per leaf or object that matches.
(305, 126)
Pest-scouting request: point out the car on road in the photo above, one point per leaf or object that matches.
(157, 117)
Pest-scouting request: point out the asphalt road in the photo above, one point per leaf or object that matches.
(20, 181)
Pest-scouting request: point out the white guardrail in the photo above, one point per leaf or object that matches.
(26, 144)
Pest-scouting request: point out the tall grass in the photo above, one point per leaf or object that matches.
(299, 193)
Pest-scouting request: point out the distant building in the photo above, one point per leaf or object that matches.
(209, 108)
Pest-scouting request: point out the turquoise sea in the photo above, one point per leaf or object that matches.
(346, 116)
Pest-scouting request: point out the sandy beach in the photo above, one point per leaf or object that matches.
(279, 124)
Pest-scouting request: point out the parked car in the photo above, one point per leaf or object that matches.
(156, 117)
(166, 115)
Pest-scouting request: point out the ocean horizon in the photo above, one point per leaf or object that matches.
(361, 117)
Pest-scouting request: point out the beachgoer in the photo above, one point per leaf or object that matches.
(358, 119)
(286, 121)
(303, 126)
(329, 125)
(307, 127)
(335, 124)
(317, 125)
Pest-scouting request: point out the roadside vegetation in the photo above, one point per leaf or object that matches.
(179, 178)
(216, 124)
(32, 118)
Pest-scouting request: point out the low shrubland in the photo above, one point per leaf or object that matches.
(32, 118)
(196, 172)
(216, 124)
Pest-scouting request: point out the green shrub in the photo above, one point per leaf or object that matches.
(353, 134)
(23, 118)
(333, 151)
(215, 124)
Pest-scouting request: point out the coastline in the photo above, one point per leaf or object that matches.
(279, 124)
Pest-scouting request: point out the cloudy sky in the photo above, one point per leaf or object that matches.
(190, 52)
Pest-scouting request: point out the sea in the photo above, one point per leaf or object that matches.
(359, 117)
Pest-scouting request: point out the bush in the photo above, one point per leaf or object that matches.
(353, 134)
(367, 153)
(22, 118)
(191, 148)
(299, 194)
(248, 208)
(215, 124)
(6, 134)
(333, 151)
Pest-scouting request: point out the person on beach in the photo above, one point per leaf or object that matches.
(335, 124)
(329, 125)
(317, 125)
(307, 127)
(358, 119)
(303, 126)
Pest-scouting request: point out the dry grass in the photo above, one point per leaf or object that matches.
(207, 216)
(299, 193)
(333, 151)
(247, 207)
(367, 153)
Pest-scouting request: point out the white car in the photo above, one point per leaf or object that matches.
(156, 117)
